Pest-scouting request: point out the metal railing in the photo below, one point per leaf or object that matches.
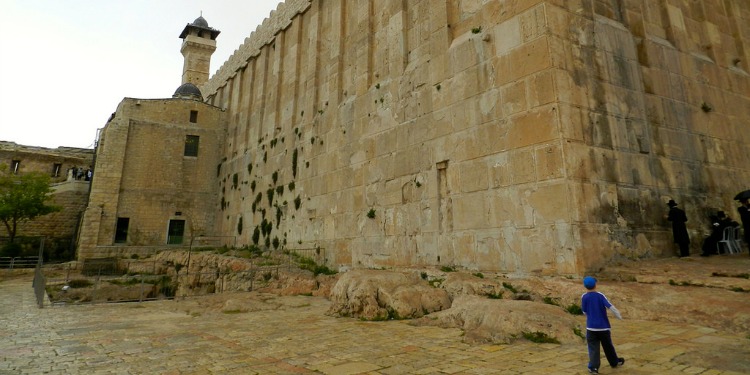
(18, 262)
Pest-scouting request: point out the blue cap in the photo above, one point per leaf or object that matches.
(589, 282)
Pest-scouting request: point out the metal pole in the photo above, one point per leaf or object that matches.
(41, 252)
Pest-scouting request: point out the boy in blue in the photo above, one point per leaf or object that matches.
(595, 305)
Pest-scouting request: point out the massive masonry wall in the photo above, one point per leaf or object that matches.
(143, 174)
(521, 136)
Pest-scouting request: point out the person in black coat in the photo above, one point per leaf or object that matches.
(719, 222)
(679, 231)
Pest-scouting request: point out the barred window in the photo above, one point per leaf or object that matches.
(191, 145)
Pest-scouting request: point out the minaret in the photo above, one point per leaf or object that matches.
(199, 43)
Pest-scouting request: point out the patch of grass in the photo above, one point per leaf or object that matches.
(448, 268)
(309, 264)
(683, 283)
(371, 213)
(479, 275)
(540, 337)
(493, 295)
(551, 301)
(577, 332)
(476, 30)
(738, 275)
(509, 287)
(423, 275)
(574, 309)
(79, 283)
(739, 290)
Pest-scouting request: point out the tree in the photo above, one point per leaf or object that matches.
(23, 197)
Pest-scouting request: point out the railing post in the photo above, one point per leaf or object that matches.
(140, 299)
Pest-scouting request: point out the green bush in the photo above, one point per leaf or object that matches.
(574, 309)
(79, 283)
(12, 250)
(540, 337)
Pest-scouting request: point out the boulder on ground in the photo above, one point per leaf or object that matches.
(380, 295)
(498, 321)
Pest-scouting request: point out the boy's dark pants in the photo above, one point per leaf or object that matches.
(593, 339)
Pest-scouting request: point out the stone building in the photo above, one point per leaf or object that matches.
(60, 228)
(156, 163)
(518, 136)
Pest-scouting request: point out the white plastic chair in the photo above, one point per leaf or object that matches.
(729, 241)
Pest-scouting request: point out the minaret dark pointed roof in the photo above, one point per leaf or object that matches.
(202, 24)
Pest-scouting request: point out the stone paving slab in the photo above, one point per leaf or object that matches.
(298, 338)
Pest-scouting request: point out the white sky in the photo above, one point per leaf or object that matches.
(66, 64)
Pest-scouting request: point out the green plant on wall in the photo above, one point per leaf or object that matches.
(280, 189)
(278, 216)
(275, 176)
(249, 168)
(235, 180)
(275, 242)
(297, 202)
(256, 235)
(269, 193)
(252, 185)
(239, 225)
(291, 186)
(294, 162)
(371, 213)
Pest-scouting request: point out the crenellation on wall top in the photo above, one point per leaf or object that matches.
(279, 20)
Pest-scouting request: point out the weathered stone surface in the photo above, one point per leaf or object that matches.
(533, 137)
(503, 321)
(379, 295)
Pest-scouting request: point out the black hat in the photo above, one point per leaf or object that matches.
(671, 203)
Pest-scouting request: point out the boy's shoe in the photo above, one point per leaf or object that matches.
(620, 362)
(593, 370)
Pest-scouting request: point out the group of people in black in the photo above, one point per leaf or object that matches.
(719, 222)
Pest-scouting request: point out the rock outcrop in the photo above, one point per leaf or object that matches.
(503, 321)
(380, 295)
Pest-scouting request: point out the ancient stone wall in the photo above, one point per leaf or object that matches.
(53, 161)
(144, 175)
(499, 135)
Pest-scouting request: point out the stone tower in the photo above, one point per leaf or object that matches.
(199, 43)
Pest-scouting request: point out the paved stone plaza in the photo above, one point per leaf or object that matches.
(288, 335)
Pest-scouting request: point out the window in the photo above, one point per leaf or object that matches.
(175, 232)
(56, 170)
(14, 166)
(191, 145)
(121, 230)
(193, 116)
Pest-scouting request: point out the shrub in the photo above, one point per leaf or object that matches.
(12, 249)
(79, 283)
(540, 337)
(574, 309)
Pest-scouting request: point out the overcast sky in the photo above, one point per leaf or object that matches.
(65, 65)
